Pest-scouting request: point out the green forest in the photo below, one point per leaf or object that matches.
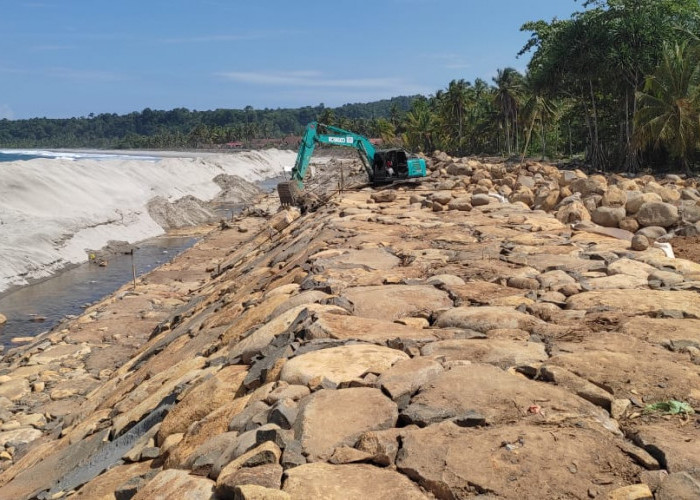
(616, 86)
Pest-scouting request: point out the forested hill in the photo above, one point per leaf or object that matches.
(189, 128)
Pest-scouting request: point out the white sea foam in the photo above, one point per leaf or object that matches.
(52, 210)
(69, 155)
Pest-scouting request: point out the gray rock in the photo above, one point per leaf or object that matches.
(274, 433)
(293, 456)
(479, 200)
(207, 453)
(423, 415)
(283, 413)
(657, 214)
(242, 444)
(268, 476)
(608, 216)
(677, 486)
(640, 242)
(652, 232)
(239, 422)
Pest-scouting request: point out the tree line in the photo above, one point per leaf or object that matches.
(616, 86)
(183, 128)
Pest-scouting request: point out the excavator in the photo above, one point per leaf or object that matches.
(382, 166)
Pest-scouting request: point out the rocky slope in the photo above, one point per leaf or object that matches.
(498, 331)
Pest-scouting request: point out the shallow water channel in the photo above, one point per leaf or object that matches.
(38, 307)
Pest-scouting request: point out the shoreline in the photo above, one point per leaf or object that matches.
(196, 232)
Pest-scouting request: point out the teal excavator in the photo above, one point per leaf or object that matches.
(382, 166)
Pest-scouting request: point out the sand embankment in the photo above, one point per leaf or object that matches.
(434, 343)
(52, 211)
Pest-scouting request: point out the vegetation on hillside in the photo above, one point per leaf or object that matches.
(617, 85)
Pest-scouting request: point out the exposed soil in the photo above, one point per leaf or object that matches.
(687, 248)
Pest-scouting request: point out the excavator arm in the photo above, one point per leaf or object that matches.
(336, 137)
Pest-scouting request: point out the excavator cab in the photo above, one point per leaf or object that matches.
(395, 164)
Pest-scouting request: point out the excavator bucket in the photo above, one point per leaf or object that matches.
(289, 193)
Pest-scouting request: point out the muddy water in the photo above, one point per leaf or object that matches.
(35, 308)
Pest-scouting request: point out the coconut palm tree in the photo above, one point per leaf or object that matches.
(455, 103)
(508, 87)
(668, 111)
(420, 125)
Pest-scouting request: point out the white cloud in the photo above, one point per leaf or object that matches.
(309, 78)
(449, 60)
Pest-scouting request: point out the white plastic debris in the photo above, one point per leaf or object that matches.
(666, 248)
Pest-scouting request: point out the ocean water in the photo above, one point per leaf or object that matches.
(8, 155)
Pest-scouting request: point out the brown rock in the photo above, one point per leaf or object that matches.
(499, 352)
(347, 455)
(406, 376)
(631, 492)
(320, 481)
(384, 196)
(255, 492)
(532, 461)
(629, 224)
(657, 214)
(340, 364)
(503, 397)
(639, 243)
(202, 399)
(267, 476)
(487, 318)
(679, 485)
(392, 302)
(174, 483)
(614, 197)
(337, 326)
(330, 418)
(572, 213)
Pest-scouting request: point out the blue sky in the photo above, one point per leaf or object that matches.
(63, 58)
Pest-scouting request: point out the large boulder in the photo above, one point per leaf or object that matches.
(331, 418)
(174, 483)
(607, 216)
(573, 212)
(513, 461)
(483, 319)
(340, 364)
(588, 186)
(635, 200)
(320, 481)
(392, 302)
(658, 214)
(614, 197)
